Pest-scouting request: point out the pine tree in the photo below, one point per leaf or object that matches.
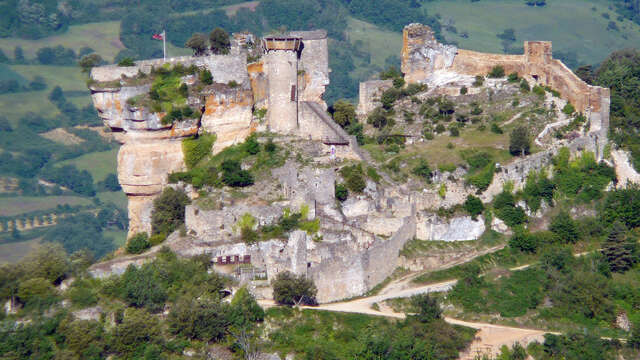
(619, 251)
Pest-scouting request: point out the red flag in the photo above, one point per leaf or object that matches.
(158, 36)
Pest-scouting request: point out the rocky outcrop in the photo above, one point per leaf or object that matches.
(432, 227)
(422, 54)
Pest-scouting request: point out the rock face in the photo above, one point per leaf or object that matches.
(422, 54)
(432, 227)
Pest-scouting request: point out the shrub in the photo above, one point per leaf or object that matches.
(426, 307)
(463, 90)
(389, 97)
(168, 211)
(495, 128)
(252, 145)
(234, 176)
(157, 239)
(440, 129)
(524, 242)
(341, 192)
(513, 77)
(245, 310)
(138, 243)
(289, 289)
(137, 330)
(206, 77)
(344, 113)
(496, 72)
(36, 292)
(126, 62)
(568, 109)
(482, 179)
(199, 319)
(398, 83)
(377, 118)
(479, 80)
(270, 147)
(196, 149)
(564, 226)
(473, 206)
(524, 86)
(454, 131)
(538, 90)
(354, 178)
(423, 171)
(141, 287)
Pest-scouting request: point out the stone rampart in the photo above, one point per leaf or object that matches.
(224, 68)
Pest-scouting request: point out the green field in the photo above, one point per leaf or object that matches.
(20, 204)
(14, 252)
(116, 197)
(103, 37)
(99, 164)
(570, 24)
(69, 78)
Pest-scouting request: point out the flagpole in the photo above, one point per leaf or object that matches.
(164, 45)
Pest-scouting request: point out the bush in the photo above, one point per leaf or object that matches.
(524, 86)
(196, 149)
(423, 171)
(341, 192)
(568, 109)
(454, 131)
(473, 206)
(157, 239)
(564, 226)
(138, 243)
(513, 77)
(206, 77)
(377, 118)
(538, 90)
(482, 179)
(289, 289)
(524, 242)
(234, 176)
(479, 80)
(141, 287)
(495, 128)
(354, 178)
(168, 211)
(252, 145)
(126, 62)
(463, 90)
(199, 319)
(426, 307)
(496, 72)
(389, 97)
(137, 330)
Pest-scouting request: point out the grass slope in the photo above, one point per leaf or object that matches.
(570, 24)
(380, 43)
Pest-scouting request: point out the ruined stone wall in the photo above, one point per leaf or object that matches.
(341, 276)
(228, 113)
(281, 68)
(369, 95)
(224, 68)
(470, 62)
(316, 124)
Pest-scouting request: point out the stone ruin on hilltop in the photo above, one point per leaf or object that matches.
(358, 242)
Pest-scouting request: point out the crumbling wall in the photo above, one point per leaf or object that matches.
(369, 95)
(224, 68)
(422, 54)
(228, 113)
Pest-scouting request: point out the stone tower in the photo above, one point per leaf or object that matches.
(281, 66)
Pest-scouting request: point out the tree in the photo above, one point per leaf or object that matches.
(138, 243)
(48, 261)
(564, 226)
(423, 170)
(519, 142)
(245, 309)
(634, 339)
(219, 41)
(496, 72)
(473, 206)
(142, 288)
(138, 328)
(427, 308)
(89, 61)
(289, 289)
(56, 95)
(201, 319)
(5, 125)
(36, 290)
(168, 211)
(234, 176)
(619, 251)
(198, 43)
(389, 97)
(18, 55)
(377, 118)
(344, 113)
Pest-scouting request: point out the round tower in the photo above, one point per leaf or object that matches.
(281, 66)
